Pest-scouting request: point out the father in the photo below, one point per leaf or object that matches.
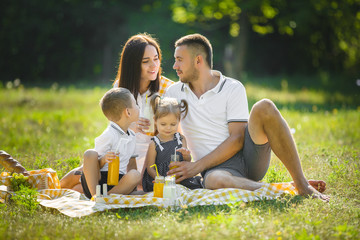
(231, 147)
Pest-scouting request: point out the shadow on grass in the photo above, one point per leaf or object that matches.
(183, 214)
(280, 204)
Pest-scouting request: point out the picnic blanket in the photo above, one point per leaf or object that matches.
(75, 204)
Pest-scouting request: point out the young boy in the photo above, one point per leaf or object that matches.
(119, 107)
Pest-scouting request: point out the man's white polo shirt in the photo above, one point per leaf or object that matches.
(115, 139)
(206, 124)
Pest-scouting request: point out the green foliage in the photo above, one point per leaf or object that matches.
(68, 41)
(26, 198)
(64, 165)
(326, 32)
(19, 181)
(71, 40)
(276, 174)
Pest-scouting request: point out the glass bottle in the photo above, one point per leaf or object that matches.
(159, 186)
(113, 171)
(149, 114)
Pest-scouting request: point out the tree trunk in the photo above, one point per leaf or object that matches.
(107, 63)
(235, 53)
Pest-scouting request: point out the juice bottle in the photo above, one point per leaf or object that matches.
(159, 186)
(113, 171)
(149, 114)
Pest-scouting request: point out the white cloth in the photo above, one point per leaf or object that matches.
(206, 123)
(115, 139)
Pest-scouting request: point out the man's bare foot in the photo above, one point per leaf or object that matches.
(319, 185)
(310, 191)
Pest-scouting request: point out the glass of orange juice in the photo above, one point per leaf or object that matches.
(113, 171)
(159, 186)
(174, 158)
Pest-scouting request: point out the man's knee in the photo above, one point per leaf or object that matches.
(217, 179)
(265, 108)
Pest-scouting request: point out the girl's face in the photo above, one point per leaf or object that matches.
(150, 64)
(167, 125)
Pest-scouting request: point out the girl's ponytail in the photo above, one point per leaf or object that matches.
(154, 102)
(184, 107)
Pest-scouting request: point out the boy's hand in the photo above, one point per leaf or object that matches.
(186, 153)
(108, 157)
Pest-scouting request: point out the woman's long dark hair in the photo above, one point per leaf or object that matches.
(129, 71)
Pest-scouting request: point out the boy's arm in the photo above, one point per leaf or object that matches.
(132, 164)
(150, 159)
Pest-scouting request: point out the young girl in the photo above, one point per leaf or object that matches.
(167, 113)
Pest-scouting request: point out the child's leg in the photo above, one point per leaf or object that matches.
(70, 180)
(91, 170)
(127, 183)
(78, 187)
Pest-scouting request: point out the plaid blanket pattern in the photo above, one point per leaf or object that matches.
(74, 204)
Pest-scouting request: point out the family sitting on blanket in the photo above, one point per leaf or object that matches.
(231, 148)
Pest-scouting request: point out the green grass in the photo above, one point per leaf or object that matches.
(52, 128)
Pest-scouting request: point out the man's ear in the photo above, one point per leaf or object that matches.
(127, 112)
(198, 59)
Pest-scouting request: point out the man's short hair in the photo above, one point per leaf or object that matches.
(114, 102)
(199, 44)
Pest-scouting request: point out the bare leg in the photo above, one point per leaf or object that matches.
(70, 179)
(127, 183)
(91, 170)
(78, 187)
(267, 125)
(223, 179)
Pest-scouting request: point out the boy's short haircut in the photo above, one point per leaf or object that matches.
(114, 102)
(198, 44)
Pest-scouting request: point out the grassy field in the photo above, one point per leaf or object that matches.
(52, 128)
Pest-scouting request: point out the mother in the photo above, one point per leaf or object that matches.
(140, 72)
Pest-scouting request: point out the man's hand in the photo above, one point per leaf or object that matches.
(183, 170)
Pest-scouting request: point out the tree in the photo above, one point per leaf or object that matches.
(71, 39)
(325, 34)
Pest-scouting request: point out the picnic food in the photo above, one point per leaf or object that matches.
(11, 164)
(18, 180)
